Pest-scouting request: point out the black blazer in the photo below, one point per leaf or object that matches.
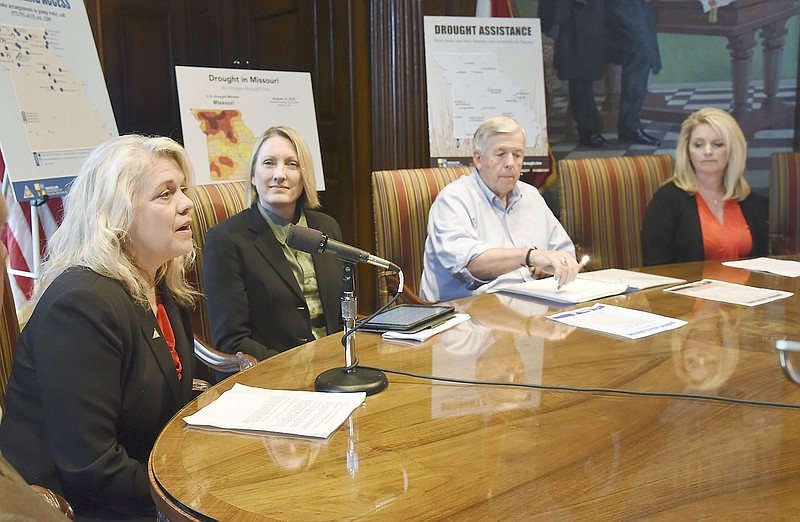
(254, 302)
(92, 385)
(671, 231)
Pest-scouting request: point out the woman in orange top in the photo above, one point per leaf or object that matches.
(706, 210)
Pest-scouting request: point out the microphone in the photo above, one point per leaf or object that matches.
(312, 241)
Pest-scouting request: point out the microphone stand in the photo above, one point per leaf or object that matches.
(350, 378)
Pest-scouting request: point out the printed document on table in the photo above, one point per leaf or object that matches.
(782, 267)
(300, 413)
(729, 292)
(578, 291)
(634, 280)
(616, 320)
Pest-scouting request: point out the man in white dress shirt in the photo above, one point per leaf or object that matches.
(489, 228)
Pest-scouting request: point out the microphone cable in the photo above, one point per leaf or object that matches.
(578, 389)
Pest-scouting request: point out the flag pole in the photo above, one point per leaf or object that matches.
(35, 246)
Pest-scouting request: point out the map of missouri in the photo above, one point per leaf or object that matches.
(229, 140)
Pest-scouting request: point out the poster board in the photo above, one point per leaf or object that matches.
(55, 106)
(477, 68)
(224, 111)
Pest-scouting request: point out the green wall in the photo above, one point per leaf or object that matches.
(689, 59)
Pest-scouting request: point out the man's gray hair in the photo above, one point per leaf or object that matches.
(495, 125)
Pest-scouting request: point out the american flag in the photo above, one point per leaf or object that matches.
(498, 8)
(18, 238)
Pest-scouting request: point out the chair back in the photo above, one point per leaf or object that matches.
(603, 202)
(784, 213)
(212, 204)
(9, 331)
(401, 200)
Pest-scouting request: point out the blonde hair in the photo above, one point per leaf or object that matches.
(99, 212)
(493, 126)
(736, 186)
(309, 198)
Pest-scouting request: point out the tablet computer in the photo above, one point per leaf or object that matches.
(408, 318)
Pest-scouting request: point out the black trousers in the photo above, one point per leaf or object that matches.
(630, 38)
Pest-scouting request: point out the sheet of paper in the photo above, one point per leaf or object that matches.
(782, 267)
(299, 413)
(725, 292)
(427, 332)
(578, 291)
(634, 280)
(616, 320)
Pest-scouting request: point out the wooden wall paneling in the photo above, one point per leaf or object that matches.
(280, 35)
(209, 33)
(142, 40)
(297, 36)
(400, 131)
(343, 114)
(354, 141)
(92, 13)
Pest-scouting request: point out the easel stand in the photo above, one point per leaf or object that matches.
(36, 254)
(350, 378)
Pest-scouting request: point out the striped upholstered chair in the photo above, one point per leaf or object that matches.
(212, 204)
(401, 200)
(784, 194)
(603, 201)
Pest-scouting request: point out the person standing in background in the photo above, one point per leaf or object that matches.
(590, 33)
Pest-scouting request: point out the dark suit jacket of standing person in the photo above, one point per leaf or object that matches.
(671, 231)
(584, 42)
(92, 385)
(254, 302)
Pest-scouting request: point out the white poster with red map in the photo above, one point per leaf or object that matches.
(224, 111)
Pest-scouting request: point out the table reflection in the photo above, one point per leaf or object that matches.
(292, 455)
(506, 346)
(705, 353)
(519, 316)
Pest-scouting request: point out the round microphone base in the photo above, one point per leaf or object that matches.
(354, 380)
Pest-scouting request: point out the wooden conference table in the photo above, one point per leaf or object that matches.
(422, 450)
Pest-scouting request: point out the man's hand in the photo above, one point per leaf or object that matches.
(562, 265)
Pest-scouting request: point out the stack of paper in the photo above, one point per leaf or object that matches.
(634, 280)
(578, 291)
(782, 267)
(615, 320)
(300, 413)
(729, 292)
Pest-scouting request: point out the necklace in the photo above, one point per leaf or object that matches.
(712, 198)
